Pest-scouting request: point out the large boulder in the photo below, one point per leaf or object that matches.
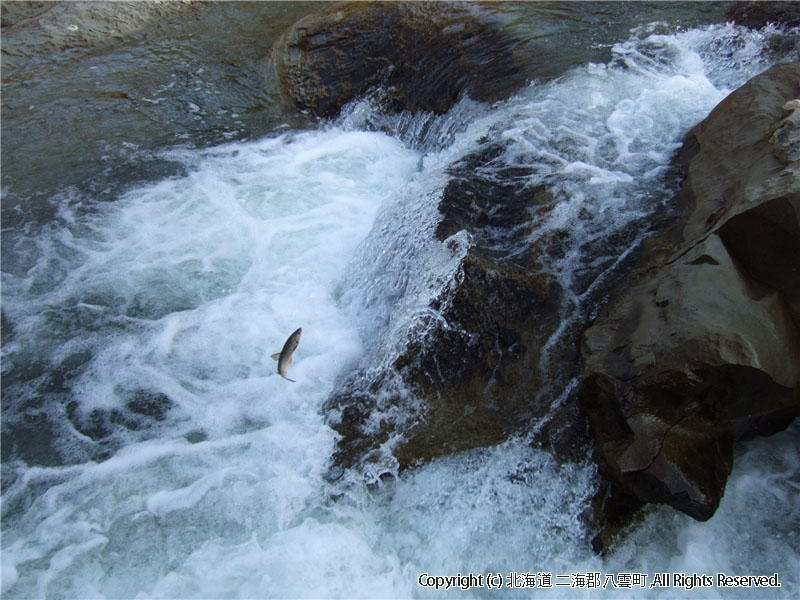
(422, 56)
(703, 347)
(470, 377)
(493, 352)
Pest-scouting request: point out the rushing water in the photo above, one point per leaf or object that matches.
(151, 450)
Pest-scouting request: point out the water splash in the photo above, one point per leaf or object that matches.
(187, 467)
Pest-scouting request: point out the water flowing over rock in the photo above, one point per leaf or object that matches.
(474, 364)
(422, 55)
(168, 219)
(758, 14)
(703, 347)
(492, 354)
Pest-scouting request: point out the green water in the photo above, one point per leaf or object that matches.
(94, 116)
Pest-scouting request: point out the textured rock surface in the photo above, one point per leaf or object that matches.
(423, 55)
(786, 138)
(758, 14)
(703, 348)
(476, 368)
(674, 374)
(498, 346)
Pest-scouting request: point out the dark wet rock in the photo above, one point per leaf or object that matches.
(703, 347)
(474, 373)
(757, 14)
(478, 374)
(423, 55)
(609, 514)
(491, 353)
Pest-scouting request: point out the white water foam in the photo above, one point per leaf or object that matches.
(184, 287)
(204, 276)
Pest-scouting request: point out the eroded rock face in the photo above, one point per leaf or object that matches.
(423, 56)
(703, 348)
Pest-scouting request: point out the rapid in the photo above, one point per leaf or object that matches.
(178, 463)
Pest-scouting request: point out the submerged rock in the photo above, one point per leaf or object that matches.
(423, 55)
(703, 347)
(158, 74)
(35, 29)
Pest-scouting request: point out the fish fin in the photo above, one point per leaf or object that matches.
(285, 377)
(291, 358)
(275, 356)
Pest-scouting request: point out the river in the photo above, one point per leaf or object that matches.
(150, 449)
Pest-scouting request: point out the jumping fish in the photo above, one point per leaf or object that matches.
(284, 357)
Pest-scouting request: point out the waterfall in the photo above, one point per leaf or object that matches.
(157, 452)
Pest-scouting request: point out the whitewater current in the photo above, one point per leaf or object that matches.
(183, 465)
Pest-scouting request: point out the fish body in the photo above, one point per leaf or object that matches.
(284, 357)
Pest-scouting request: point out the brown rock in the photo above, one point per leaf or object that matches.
(423, 55)
(703, 348)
